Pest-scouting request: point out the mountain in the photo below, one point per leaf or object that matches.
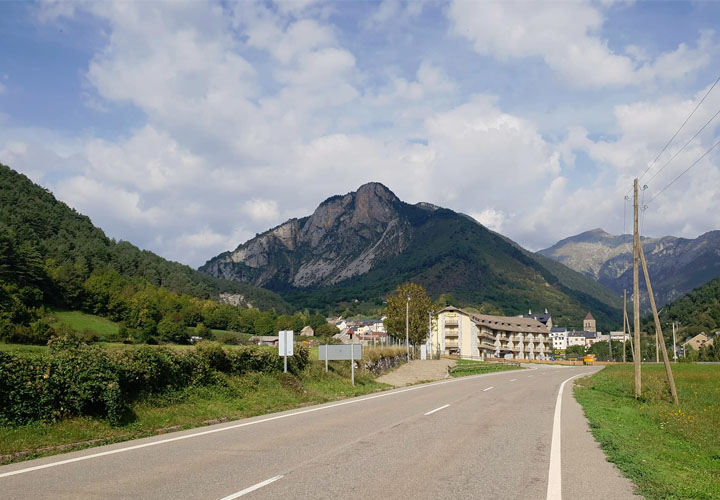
(359, 246)
(51, 249)
(676, 265)
(698, 311)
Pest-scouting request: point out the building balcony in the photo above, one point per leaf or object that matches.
(451, 321)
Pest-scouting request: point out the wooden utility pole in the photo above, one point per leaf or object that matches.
(658, 330)
(636, 294)
(632, 349)
(624, 317)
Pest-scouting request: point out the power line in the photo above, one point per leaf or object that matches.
(678, 130)
(684, 146)
(685, 171)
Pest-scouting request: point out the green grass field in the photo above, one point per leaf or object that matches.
(467, 367)
(81, 321)
(670, 452)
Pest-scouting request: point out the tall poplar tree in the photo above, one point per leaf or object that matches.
(418, 308)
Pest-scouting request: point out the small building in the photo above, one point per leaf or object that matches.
(697, 341)
(371, 338)
(307, 332)
(575, 338)
(271, 340)
(559, 338)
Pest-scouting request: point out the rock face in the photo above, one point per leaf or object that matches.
(358, 247)
(676, 265)
(344, 237)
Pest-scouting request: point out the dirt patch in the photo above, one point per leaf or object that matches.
(418, 371)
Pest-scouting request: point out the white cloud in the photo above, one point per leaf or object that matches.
(92, 197)
(566, 35)
(263, 211)
(150, 161)
(491, 218)
(256, 112)
(392, 11)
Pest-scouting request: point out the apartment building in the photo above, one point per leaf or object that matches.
(480, 336)
(559, 338)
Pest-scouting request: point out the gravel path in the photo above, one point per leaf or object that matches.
(418, 371)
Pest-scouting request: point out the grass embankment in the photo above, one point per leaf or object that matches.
(234, 397)
(81, 321)
(670, 452)
(468, 367)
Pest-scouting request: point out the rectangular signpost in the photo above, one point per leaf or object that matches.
(351, 352)
(285, 346)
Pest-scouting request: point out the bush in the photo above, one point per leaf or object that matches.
(74, 379)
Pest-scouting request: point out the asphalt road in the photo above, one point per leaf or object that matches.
(487, 436)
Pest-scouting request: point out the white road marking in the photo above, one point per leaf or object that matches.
(436, 409)
(513, 380)
(485, 390)
(244, 424)
(252, 488)
(554, 490)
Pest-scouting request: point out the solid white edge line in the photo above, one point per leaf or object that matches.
(244, 424)
(554, 489)
(252, 488)
(437, 409)
(485, 390)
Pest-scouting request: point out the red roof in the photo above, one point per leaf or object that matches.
(589, 316)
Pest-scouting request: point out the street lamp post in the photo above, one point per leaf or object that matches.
(407, 328)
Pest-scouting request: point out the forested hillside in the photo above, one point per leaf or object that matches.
(50, 255)
(698, 311)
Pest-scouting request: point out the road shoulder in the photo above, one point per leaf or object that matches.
(586, 473)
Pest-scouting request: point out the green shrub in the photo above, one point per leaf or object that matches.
(73, 379)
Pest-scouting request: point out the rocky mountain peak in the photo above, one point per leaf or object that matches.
(343, 237)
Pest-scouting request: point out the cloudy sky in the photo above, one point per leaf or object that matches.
(186, 128)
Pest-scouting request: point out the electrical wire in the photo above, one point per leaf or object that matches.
(684, 146)
(678, 130)
(707, 152)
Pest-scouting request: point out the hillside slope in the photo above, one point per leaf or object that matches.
(361, 245)
(46, 244)
(676, 265)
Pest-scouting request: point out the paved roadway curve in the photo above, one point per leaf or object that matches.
(487, 443)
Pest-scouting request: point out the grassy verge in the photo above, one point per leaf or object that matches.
(235, 397)
(468, 367)
(669, 452)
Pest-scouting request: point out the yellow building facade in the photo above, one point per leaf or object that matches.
(480, 336)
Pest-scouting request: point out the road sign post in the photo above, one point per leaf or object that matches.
(285, 346)
(350, 352)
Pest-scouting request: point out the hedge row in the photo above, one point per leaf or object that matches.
(74, 380)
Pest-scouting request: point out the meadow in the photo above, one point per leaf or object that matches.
(669, 451)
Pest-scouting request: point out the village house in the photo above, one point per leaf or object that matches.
(697, 341)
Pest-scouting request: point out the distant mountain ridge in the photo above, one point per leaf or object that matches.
(676, 265)
(362, 244)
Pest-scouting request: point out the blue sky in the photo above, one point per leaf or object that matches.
(186, 128)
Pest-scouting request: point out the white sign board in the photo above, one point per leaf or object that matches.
(285, 343)
(336, 352)
(423, 351)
